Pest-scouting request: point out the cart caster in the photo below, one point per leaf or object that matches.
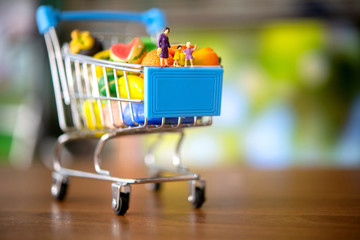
(59, 186)
(120, 198)
(197, 197)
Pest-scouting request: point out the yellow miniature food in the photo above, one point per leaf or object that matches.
(89, 113)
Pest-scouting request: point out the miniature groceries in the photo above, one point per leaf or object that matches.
(134, 52)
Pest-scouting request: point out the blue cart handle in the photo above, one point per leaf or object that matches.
(47, 17)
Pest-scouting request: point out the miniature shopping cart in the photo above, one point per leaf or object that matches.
(174, 99)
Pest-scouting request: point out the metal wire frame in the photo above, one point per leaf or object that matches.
(184, 173)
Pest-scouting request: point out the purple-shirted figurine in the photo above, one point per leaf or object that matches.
(188, 53)
(163, 45)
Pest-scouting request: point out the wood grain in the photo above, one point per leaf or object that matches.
(241, 204)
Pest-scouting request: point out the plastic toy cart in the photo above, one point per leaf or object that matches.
(174, 99)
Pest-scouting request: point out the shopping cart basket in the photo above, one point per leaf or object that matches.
(174, 99)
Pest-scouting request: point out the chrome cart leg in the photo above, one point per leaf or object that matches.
(196, 187)
(62, 139)
(197, 192)
(176, 156)
(60, 181)
(153, 171)
(149, 157)
(99, 147)
(120, 198)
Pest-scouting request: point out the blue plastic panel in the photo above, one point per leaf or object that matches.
(182, 92)
(154, 19)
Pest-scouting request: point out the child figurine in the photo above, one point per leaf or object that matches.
(177, 56)
(163, 45)
(188, 53)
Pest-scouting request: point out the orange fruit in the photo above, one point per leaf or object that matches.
(152, 59)
(205, 56)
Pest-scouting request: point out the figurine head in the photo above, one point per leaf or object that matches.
(178, 47)
(166, 31)
(188, 44)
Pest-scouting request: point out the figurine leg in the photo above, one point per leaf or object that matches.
(161, 62)
(191, 61)
(166, 62)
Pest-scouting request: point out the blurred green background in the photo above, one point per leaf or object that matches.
(291, 92)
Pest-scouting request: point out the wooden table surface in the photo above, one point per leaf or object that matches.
(241, 204)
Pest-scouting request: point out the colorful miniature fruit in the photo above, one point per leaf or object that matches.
(149, 44)
(87, 115)
(205, 56)
(139, 117)
(96, 48)
(84, 43)
(132, 52)
(135, 83)
(152, 59)
(115, 114)
(104, 55)
(111, 81)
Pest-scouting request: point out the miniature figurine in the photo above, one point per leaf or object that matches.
(177, 56)
(163, 45)
(188, 53)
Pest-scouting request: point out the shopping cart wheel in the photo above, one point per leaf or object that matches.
(197, 198)
(59, 186)
(120, 198)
